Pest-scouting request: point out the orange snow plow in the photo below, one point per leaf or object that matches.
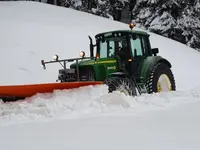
(15, 92)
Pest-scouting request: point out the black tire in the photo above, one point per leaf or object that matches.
(152, 84)
(121, 84)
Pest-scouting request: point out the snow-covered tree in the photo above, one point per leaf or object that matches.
(176, 19)
(106, 8)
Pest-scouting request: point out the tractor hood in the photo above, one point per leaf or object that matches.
(83, 63)
(91, 62)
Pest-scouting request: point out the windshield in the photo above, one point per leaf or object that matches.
(107, 47)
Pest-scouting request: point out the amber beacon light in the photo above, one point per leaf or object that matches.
(131, 25)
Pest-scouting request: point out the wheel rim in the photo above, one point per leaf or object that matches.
(125, 87)
(164, 84)
(123, 90)
(121, 85)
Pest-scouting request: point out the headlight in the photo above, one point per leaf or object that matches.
(55, 57)
(82, 54)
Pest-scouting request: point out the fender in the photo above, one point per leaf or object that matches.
(149, 63)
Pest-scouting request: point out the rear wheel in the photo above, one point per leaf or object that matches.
(161, 79)
(121, 84)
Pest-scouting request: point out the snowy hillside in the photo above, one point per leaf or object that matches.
(26, 38)
(88, 118)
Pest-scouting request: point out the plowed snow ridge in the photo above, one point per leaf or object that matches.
(87, 102)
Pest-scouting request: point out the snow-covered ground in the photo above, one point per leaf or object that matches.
(88, 118)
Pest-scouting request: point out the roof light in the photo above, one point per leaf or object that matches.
(131, 25)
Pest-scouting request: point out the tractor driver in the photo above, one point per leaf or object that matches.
(124, 50)
(123, 55)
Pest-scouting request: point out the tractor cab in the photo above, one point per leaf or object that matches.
(129, 47)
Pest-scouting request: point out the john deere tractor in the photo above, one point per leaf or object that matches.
(124, 61)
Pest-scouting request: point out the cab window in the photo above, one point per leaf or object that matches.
(103, 51)
(136, 44)
(111, 48)
(146, 45)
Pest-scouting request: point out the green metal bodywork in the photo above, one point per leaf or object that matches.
(102, 67)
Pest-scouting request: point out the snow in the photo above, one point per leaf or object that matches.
(144, 13)
(162, 23)
(88, 118)
(149, 131)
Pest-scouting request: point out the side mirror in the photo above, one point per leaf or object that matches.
(155, 51)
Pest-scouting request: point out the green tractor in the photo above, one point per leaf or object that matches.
(124, 61)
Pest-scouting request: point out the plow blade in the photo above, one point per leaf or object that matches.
(14, 92)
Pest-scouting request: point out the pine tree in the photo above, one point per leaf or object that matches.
(176, 19)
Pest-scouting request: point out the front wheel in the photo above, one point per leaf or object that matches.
(122, 84)
(161, 79)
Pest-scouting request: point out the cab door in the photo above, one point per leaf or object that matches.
(137, 48)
